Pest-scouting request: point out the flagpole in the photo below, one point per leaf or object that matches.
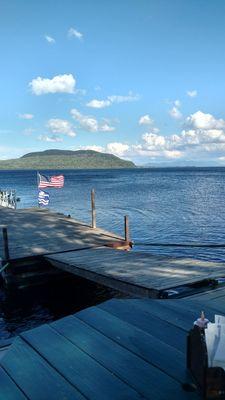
(37, 188)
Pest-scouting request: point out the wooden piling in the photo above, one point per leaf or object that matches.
(5, 243)
(93, 210)
(126, 228)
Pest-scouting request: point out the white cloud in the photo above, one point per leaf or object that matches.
(99, 103)
(116, 148)
(90, 123)
(61, 126)
(26, 116)
(73, 33)
(53, 138)
(203, 134)
(173, 154)
(145, 120)
(49, 39)
(154, 141)
(200, 120)
(177, 103)
(122, 99)
(192, 93)
(113, 99)
(175, 113)
(58, 84)
(93, 147)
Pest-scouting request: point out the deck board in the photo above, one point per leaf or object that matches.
(120, 349)
(81, 370)
(34, 376)
(8, 389)
(141, 343)
(117, 358)
(38, 231)
(136, 273)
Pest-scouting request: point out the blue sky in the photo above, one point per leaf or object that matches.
(142, 79)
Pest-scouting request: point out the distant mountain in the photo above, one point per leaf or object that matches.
(66, 159)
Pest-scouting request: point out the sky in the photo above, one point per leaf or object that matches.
(141, 79)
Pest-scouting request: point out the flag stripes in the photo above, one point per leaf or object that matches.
(53, 181)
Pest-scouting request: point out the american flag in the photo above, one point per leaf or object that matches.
(52, 181)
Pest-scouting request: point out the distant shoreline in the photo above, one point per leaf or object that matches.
(135, 168)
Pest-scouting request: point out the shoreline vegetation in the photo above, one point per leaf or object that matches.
(66, 159)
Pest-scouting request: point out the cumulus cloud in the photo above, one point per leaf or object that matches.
(49, 39)
(58, 84)
(175, 113)
(172, 154)
(202, 136)
(74, 33)
(154, 141)
(99, 103)
(116, 148)
(192, 93)
(26, 116)
(90, 123)
(61, 126)
(200, 120)
(51, 139)
(145, 120)
(202, 133)
(113, 99)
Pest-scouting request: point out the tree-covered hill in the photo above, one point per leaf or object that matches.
(66, 159)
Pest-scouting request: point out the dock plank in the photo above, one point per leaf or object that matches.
(163, 330)
(8, 389)
(117, 359)
(34, 376)
(81, 370)
(120, 349)
(136, 273)
(28, 238)
(141, 343)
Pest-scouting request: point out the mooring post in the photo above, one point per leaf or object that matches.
(5, 244)
(126, 228)
(93, 211)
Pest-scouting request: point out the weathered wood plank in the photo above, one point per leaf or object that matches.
(81, 370)
(146, 346)
(118, 360)
(34, 376)
(26, 236)
(8, 389)
(164, 331)
(135, 272)
(180, 318)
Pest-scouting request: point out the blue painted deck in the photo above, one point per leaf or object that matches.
(119, 350)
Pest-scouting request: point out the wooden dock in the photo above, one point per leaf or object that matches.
(136, 273)
(120, 350)
(72, 246)
(35, 231)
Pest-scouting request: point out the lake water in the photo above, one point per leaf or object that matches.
(163, 205)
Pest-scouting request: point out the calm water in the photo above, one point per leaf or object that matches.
(164, 206)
